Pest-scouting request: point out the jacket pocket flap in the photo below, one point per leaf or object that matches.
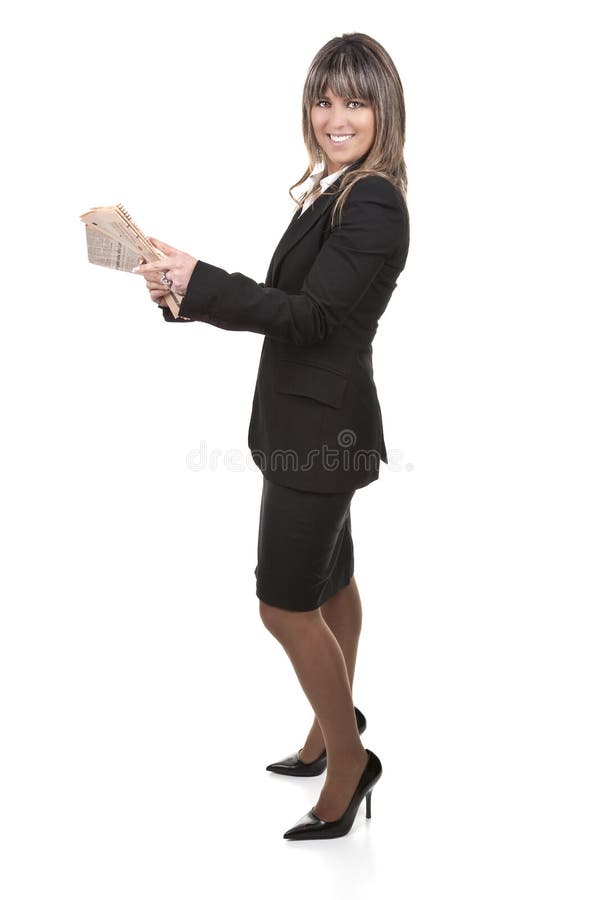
(311, 381)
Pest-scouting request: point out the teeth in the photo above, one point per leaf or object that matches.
(339, 138)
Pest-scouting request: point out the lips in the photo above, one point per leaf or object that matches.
(342, 138)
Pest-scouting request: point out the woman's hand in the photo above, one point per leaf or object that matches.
(158, 291)
(177, 266)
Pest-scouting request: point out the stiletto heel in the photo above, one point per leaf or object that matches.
(293, 765)
(311, 826)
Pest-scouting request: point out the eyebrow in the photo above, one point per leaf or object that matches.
(349, 97)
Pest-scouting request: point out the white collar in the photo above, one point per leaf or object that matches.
(326, 180)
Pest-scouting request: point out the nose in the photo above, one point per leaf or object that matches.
(338, 125)
(338, 121)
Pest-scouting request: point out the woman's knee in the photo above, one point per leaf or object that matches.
(273, 617)
(281, 622)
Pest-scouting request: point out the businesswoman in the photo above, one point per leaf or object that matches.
(316, 429)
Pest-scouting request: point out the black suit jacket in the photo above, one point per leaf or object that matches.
(316, 422)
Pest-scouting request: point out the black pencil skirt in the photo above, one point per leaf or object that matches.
(305, 551)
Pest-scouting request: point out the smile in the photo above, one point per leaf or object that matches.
(339, 138)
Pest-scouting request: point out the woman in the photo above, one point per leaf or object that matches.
(316, 430)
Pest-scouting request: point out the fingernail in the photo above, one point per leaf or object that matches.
(135, 269)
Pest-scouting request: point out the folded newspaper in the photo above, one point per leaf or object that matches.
(115, 241)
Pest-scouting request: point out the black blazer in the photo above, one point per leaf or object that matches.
(316, 421)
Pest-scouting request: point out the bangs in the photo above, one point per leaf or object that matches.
(346, 73)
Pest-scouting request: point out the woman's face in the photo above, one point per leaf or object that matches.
(352, 120)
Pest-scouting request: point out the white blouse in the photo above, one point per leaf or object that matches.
(325, 182)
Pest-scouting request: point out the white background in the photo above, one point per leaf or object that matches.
(141, 696)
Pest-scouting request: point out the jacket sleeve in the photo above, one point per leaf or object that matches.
(371, 229)
(210, 320)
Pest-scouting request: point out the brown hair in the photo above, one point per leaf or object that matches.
(355, 66)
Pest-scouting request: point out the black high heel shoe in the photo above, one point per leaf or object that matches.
(293, 765)
(310, 826)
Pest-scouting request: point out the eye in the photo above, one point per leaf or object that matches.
(358, 103)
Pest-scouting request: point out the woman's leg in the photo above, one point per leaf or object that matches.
(321, 669)
(343, 613)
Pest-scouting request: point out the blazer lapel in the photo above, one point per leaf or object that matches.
(301, 224)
